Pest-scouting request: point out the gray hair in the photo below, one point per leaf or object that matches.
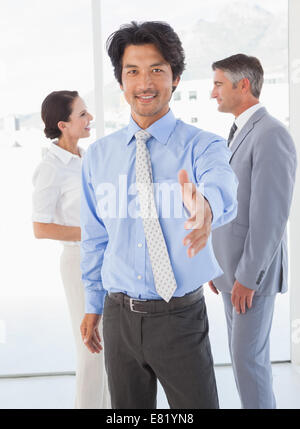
(241, 66)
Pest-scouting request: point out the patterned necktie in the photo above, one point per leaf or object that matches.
(231, 134)
(164, 279)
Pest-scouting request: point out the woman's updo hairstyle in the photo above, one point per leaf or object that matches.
(56, 107)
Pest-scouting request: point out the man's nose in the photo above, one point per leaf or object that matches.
(145, 81)
(213, 93)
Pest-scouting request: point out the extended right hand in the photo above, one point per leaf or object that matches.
(90, 333)
(213, 287)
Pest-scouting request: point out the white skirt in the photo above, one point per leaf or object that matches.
(91, 379)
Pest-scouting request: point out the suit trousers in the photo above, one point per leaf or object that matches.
(91, 378)
(170, 345)
(249, 345)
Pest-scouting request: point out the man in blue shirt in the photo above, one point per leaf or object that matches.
(143, 262)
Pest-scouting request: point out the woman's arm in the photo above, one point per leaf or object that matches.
(56, 232)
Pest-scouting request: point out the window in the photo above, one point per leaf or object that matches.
(44, 51)
(194, 120)
(48, 46)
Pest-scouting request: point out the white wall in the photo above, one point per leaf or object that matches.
(294, 233)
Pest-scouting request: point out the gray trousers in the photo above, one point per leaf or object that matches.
(249, 345)
(172, 346)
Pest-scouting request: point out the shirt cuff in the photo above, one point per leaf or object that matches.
(212, 195)
(94, 301)
(249, 280)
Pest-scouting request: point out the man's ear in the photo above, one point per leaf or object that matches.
(121, 86)
(176, 82)
(246, 86)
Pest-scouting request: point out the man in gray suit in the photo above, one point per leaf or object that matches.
(252, 249)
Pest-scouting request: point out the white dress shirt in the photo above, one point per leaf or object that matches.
(57, 187)
(241, 120)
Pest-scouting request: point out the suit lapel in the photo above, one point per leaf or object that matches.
(247, 128)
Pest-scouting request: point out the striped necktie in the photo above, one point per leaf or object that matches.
(164, 278)
(231, 133)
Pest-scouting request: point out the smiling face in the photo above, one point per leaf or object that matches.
(229, 98)
(147, 82)
(78, 125)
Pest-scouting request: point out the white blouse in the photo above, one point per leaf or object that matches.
(57, 187)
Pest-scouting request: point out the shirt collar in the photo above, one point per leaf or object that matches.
(241, 120)
(64, 155)
(160, 130)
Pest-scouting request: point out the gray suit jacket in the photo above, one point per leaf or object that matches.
(253, 247)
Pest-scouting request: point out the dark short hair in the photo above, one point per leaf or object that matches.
(157, 33)
(56, 107)
(242, 66)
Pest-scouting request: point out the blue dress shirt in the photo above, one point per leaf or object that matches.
(114, 254)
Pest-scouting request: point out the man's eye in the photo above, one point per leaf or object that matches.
(131, 71)
(157, 70)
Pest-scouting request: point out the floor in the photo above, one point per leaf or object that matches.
(57, 392)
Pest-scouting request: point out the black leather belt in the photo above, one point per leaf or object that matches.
(156, 305)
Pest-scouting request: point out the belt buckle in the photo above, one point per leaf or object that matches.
(131, 304)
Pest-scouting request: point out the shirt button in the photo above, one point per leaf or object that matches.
(139, 277)
(140, 245)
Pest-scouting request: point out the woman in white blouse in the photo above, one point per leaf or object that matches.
(56, 215)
